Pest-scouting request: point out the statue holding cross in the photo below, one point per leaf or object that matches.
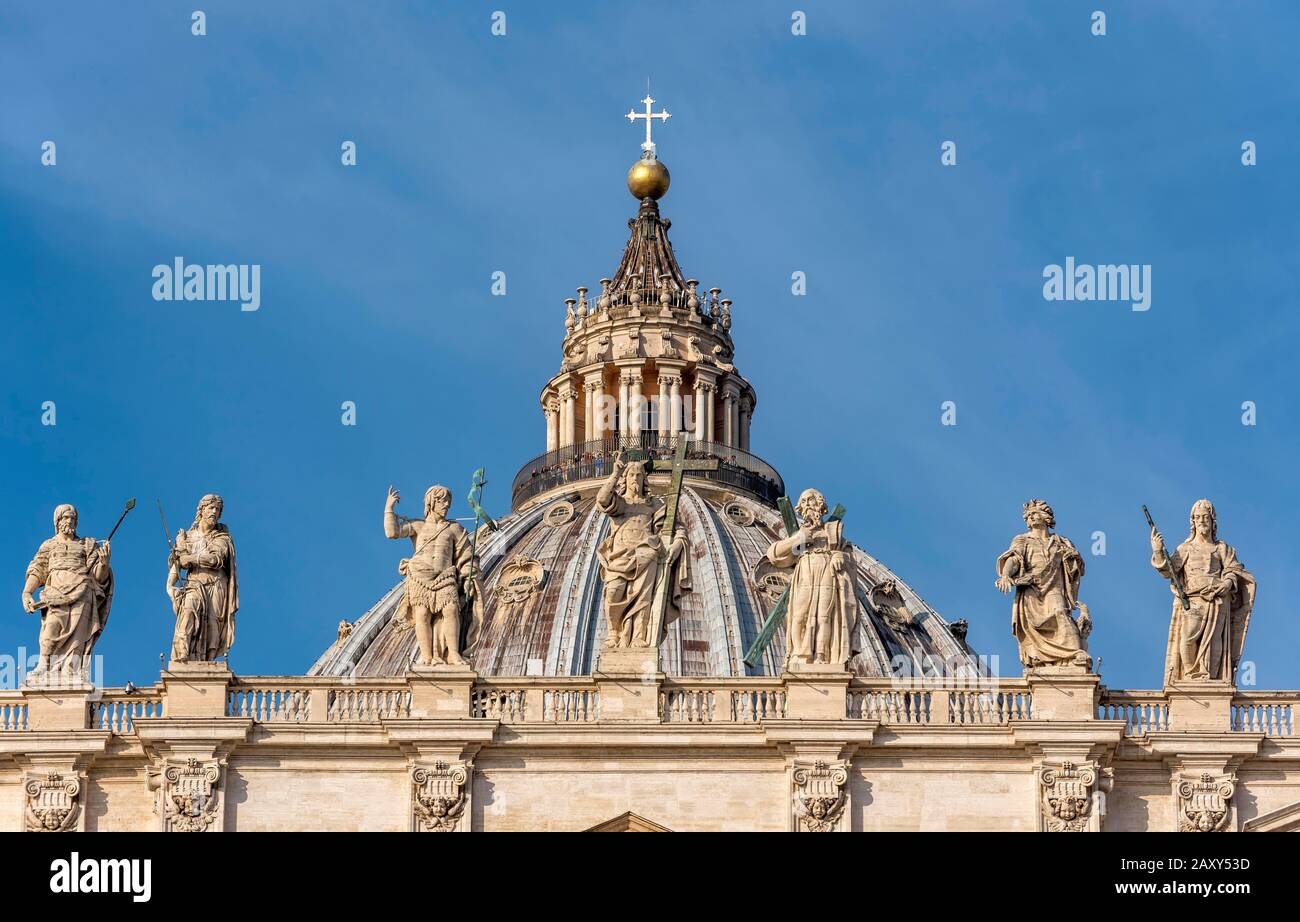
(643, 560)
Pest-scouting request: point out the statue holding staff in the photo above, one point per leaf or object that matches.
(637, 557)
(77, 579)
(823, 605)
(442, 597)
(1207, 634)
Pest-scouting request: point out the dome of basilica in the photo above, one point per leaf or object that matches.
(646, 364)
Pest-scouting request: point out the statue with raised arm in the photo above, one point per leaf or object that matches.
(78, 592)
(1045, 569)
(632, 556)
(823, 606)
(206, 602)
(442, 598)
(1205, 638)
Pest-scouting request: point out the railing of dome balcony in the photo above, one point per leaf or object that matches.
(1141, 711)
(649, 301)
(593, 460)
(899, 703)
(117, 709)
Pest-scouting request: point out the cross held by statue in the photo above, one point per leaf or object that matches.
(679, 465)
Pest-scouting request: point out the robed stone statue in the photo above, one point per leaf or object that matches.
(206, 602)
(1045, 569)
(78, 592)
(442, 598)
(635, 560)
(1206, 638)
(823, 602)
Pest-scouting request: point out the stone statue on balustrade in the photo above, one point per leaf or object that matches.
(77, 580)
(206, 602)
(823, 611)
(1045, 569)
(645, 572)
(443, 600)
(1206, 636)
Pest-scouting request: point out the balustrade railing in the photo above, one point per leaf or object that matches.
(937, 704)
(571, 705)
(891, 706)
(117, 709)
(1141, 711)
(739, 700)
(594, 460)
(990, 706)
(508, 705)
(270, 705)
(681, 700)
(368, 703)
(1269, 713)
(13, 712)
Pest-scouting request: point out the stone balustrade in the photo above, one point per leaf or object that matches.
(116, 709)
(536, 700)
(681, 700)
(1269, 713)
(13, 711)
(1141, 711)
(985, 702)
(748, 700)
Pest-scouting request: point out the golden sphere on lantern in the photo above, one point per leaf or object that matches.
(648, 178)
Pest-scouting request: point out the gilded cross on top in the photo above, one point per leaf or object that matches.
(649, 117)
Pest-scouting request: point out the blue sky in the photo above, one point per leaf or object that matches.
(817, 153)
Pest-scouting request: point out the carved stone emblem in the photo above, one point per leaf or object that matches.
(820, 795)
(888, 602)
(189, 795)
(438, 796)
(1067, 791)
(52, 802)
(598, 349)
(518, 590)
(1204, 805)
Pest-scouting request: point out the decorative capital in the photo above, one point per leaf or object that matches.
(51, 802)
(188, 795)
(1067, 797)
(1205, 802)
(440, 797)
(820, 796)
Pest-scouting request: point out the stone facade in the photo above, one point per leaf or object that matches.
(302, 753)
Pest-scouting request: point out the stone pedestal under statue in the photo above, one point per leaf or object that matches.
(441, 691)
(1200, 705)
(816, 691)
(1063, 692)
(627, 680)
(196, 689)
